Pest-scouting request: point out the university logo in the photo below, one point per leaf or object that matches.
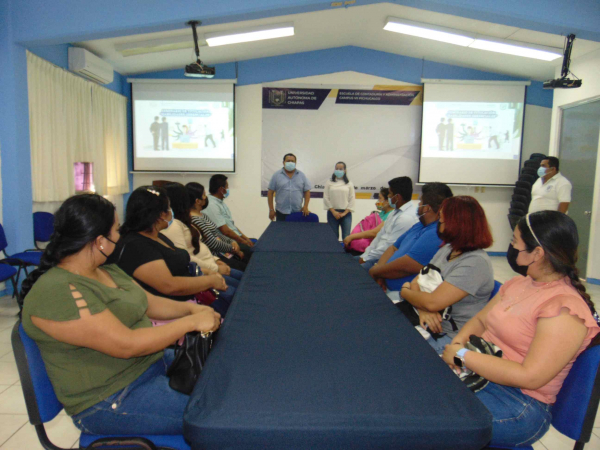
(277, 97)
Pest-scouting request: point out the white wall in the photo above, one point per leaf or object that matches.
(251, 211)
(587, 68)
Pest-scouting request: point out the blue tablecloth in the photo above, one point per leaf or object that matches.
(298, 237)
(313, 355)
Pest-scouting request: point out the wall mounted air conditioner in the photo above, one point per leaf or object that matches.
(88, 65)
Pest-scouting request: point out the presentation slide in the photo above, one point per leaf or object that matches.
(476, 140)
(181, 129)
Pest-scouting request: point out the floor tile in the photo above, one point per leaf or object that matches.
(12, 401)
(8, 373)
(61, 432)
(8, 357)
(7, 321)
(9, 425)
(5, 349)
(554, 440)
(539, 446)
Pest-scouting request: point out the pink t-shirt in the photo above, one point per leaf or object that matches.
(513, 330)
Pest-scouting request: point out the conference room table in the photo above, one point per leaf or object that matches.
(313, 355)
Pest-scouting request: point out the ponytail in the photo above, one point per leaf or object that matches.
(573, 274)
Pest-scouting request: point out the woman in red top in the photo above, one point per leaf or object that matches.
(541, 320)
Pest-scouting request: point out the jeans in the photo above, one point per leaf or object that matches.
(345, 222)
(236, 274)
(440, 345)
(368, 264)
(518, 419)
(146, 406)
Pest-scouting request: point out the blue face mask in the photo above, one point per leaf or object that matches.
(172, 218)
(541, 172)
(290, 166)
(390, 202)
(339, 173)
(226, 193)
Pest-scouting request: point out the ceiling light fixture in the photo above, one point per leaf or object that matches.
(249, 34)
(434, 32)
(465, 39)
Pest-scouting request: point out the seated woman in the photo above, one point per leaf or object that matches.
(366, 236)
(91, 322)
(466, 271)
(148, 256)
(541, 321)
(225, 248)
(185, 236)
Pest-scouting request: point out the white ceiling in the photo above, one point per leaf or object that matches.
(360, 26)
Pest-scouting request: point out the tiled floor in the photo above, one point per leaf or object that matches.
(17, 434)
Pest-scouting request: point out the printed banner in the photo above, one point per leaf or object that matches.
(375, 130)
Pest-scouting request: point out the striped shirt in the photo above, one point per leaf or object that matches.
(216, 241)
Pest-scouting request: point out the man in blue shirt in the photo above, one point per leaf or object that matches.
(413, 250)
(290, 186)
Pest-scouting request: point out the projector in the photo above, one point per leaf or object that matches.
(199, 70)
(562, 83)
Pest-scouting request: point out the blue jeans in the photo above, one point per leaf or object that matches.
(368, 264)
(236, 274)
(440, 344)
(146, 406)
(519, 420)
(345, 222)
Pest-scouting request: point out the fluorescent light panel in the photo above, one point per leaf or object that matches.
(465, 39)
(250, 34)
(441, 34)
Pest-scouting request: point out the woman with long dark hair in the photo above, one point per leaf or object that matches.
(338, 199)
(232, 253)
(91, 322)
(465, 269)
(152, 259)
(541, 320)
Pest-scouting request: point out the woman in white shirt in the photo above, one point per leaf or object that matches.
(338, 199)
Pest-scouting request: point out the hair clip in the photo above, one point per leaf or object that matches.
(152, 191)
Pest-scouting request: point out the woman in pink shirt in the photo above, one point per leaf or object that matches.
(541, 320)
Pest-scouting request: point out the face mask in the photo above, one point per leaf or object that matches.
(290, 166)
(440, 233)
(541, 171)
(225, 195)
(109, 240)
(172, 217)
(206, 204)
(379, 206)
(339, 173)
(390, 201)
(511, 255)
(420, 215)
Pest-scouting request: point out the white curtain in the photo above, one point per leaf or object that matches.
(74, 120)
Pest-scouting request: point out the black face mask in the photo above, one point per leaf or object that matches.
(440, 233)
(511, 255)
(206, 204)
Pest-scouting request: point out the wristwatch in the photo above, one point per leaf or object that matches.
(459, 358)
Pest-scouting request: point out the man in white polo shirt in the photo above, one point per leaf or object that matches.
(551, 191)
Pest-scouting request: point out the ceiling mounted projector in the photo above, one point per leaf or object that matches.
(197, 69)
(563, 82)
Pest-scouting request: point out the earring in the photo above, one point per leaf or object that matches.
(101, 248)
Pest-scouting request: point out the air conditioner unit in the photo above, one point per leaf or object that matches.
(88, 65)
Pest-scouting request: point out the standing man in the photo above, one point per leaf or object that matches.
(219, 212)
(551, 191)
(400, 220)
(450, 135)
(155, 130)
(290, 186)
(441, 132)
(164, 134)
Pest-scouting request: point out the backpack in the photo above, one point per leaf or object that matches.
(368, 223)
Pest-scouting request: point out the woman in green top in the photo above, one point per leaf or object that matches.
(92, 326)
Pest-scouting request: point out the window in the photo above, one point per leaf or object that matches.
(84, 177)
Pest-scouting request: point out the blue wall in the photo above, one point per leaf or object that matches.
(358, 59)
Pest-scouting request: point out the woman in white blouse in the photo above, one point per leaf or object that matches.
(338, 199)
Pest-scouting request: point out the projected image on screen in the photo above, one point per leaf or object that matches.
(472, 130)
(184, 127)
(472, 133)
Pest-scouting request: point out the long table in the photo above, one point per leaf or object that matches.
(296, 237)
(313, 355)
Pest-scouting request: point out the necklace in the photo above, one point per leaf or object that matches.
(520, 299)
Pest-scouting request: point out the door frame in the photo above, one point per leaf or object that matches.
(596, 194)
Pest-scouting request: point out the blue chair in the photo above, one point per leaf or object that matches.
(43, 227)
(8, 272)
(299, 217)
(497, 286)
(574, 412)
(43, 406)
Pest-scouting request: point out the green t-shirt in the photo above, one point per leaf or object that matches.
(81, 376)
(384, 215)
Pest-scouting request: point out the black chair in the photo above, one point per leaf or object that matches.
(518, 205)
(513, 220)
(528, 178)
(517, 212)
(524, 185)
(529, 171)
(531, 164)
(538, 156)
(523, 193)
(521, 199)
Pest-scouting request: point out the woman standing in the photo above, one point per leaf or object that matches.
(338, 200)
(541, 320)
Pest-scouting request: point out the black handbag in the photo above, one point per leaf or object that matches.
(190, 357)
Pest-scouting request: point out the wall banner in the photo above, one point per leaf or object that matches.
(375, 130)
